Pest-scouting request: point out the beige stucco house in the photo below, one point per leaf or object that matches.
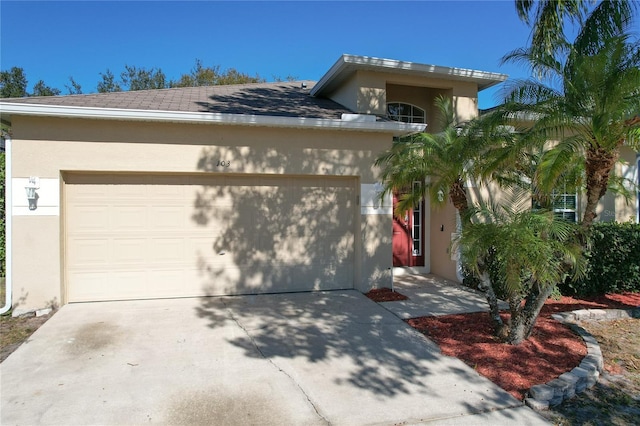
(220, 190)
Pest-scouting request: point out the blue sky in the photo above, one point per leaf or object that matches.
(54, 40)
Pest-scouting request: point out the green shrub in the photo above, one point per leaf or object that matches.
(614, 261)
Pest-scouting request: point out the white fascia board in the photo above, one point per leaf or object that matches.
(484, 79)
(396, 128)
(334, 71)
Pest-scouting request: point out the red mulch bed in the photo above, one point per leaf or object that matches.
(608, 301)
(552, 349)
(385, 295)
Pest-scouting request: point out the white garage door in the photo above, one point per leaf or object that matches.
(143, 236)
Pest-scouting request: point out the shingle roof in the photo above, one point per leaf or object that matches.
(286, 99)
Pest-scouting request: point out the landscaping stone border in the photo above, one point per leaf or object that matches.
(584, 376)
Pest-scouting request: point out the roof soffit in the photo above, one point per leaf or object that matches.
(348, 65)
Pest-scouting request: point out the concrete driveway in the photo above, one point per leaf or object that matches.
(291, 359)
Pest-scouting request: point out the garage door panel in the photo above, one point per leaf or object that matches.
(173, 235)
(89, 217)
(126, 251)
(88, 286)
(90, 251)
(168, 217)
(166, 251)
(128, 217)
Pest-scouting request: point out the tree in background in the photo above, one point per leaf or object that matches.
(108, 83)
(211, 76)
(13, 83)
(134, 78)
(73, 87)
(143, 79)
(41, 89)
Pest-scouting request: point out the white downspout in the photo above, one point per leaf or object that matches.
(8, 200)
(459, 275)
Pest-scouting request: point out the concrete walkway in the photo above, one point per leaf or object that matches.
(326, 358)
(433, 295)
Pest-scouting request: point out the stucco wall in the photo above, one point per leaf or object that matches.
(47, 147)
(368, 92)
(616, 208)
(442, 228)
(347, 94)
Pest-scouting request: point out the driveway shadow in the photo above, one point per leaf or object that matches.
(344, 341)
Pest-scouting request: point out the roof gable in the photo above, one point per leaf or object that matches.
(347, 65)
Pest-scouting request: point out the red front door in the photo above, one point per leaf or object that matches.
(408, 237)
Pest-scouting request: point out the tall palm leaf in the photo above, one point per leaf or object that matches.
(442, 162)
(598, 20)
(588, 102)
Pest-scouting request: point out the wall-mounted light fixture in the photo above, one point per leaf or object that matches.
(32, 195)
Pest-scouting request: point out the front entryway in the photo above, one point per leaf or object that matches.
(408, 236)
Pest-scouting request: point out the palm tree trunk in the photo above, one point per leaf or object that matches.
(599, 164)
(521, 324)
(492, 299)
(458, 195)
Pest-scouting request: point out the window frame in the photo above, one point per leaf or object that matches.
(411, 116)
(417, 229)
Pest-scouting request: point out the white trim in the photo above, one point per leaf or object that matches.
(370, 202)
(8, 227)
(396, 128)
(347, 64)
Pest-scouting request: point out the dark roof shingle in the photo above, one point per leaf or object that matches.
(287, 99)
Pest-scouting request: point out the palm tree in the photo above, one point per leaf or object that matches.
(531, 251)
(443, 161)
(583, 94)
(547, 19)
(586, 95)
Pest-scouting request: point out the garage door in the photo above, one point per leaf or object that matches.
(155, 236)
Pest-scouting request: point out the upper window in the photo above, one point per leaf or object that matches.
(406, 113)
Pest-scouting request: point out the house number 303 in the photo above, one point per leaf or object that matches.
(222, 163)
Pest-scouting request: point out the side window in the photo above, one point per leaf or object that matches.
(563, 202)
(565, 206)
(406, 113)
